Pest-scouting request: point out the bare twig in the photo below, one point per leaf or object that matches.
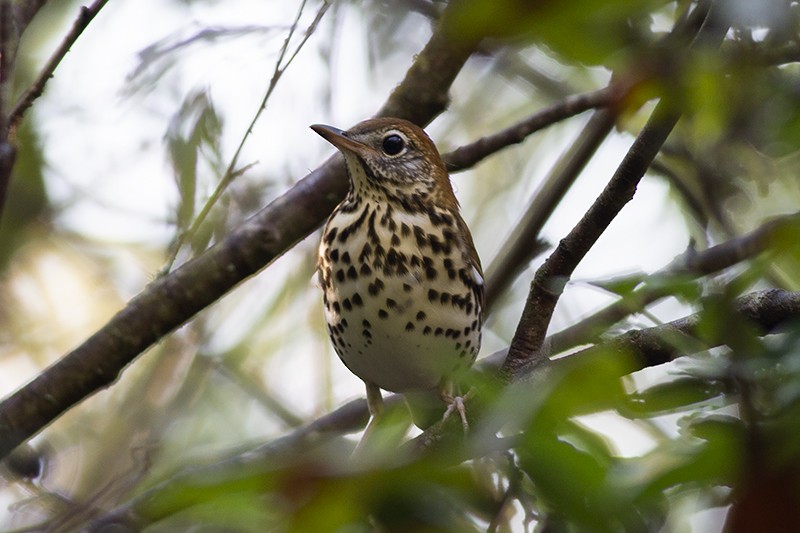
(171, 300)
(468, 155)
(85, 16)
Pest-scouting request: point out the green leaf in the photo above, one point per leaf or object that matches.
(673, 397)
(193, 135)
(588, 31)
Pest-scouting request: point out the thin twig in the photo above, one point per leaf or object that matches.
(468, 155)
(85, 16)
(231, 172)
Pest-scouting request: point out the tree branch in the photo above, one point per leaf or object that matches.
(173, 299)
(553, 275)
(689, 264)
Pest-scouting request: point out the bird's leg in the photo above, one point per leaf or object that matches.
(375, 406)
(374, 400)
(454, 403)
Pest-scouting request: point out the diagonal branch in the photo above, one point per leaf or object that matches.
(524, 243)
(552, 277)
(175, 298)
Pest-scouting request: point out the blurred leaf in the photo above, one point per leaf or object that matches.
(708, 454)
(161, 56)
(622, 285)
(587, 31)
(673, 397)
(193, 134)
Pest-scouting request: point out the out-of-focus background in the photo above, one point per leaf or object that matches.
(143, 116)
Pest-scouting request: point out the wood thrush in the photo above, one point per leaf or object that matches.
(402, 282)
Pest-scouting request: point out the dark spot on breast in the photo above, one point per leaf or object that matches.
(406, 287)
(421, 237)
(433, 294)
(410, 326)
(436, 244)
(427, 330)
(383, 314)
(366, 333)
(366, 323)
(371, 233)
(331, 235)
(336, 307)
(395, 240)
(392, 258)
(421, 315)
(357, 299)
(365, 270)
(334, 254)
(366, 251)
(438, 332)
(430, 273)
(351, 272)
(390, 303)
(445, 298)
(347, 305)
(346, 258)
(405, 231)
(340, 275)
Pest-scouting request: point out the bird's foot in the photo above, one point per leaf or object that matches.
(455, 403)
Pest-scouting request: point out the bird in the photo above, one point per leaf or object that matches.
(403, 289)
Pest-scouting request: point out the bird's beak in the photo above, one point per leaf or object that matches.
(337, 137)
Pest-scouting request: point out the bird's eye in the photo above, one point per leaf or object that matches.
(393, 144)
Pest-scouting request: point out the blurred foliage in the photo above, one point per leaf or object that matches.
(592, 443)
